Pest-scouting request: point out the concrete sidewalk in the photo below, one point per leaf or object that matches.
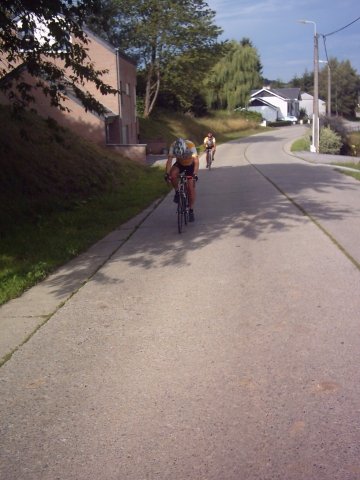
(20, 318)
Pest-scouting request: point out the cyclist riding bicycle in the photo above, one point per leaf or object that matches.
(210, 144)
(187, 160)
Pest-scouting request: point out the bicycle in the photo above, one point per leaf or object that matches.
(209, 157)
(183, 204)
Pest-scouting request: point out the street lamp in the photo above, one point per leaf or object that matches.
(329, 87)
(314, 147)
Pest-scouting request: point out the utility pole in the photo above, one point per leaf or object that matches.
(314, 147)
(316, 94)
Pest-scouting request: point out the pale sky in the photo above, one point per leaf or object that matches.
(285, 46)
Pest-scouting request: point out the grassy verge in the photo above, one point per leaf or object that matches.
(59, 195)
(33, 250)
(301, 145)
(354, 166)
(225, 127)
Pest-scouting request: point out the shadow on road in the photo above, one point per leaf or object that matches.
(241, 201)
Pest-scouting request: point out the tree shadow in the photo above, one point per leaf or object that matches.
(250, 201)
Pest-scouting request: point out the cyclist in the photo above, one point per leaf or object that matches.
(210, 144)
(187, 160)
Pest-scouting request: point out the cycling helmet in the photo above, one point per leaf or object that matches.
(180, 148)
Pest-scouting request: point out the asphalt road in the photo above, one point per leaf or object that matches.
(229, 352)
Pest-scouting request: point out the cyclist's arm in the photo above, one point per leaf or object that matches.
(196, 164)
(169, 164)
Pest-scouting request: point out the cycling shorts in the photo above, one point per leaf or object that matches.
(188, 169)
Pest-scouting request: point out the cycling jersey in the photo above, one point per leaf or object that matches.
(209, 142)
(185, 162)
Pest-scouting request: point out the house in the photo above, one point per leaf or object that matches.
(275, 103)
(306, 103)
(118, 127)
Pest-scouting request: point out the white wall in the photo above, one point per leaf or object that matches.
(307, 104)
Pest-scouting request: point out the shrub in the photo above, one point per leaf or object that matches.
(248, 115)
(330, 141)
(302, 114)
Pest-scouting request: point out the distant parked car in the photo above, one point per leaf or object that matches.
(290, 118)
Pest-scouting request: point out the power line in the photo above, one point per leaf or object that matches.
(342, 28)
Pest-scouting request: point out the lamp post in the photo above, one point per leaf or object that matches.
(328, 87)
(314, 147)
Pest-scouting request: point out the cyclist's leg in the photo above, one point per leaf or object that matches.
(174, 176)
(191, 187)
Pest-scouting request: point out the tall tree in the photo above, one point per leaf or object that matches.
(345, 87)
(158, 31)
(234, 76)
(305, 83)
(47, 38)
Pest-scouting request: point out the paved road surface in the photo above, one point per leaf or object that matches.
(227, 353)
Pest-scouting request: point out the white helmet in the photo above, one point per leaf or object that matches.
(180, 149)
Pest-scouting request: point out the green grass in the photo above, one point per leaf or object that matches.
(32, 251)
(59, 195)
(355, 166)
(301, 145)
(225, 126)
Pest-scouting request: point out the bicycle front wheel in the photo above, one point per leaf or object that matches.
(180, 212)
(208, 159)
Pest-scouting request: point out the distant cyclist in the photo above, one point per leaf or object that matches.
(187, 160)
(210, 144)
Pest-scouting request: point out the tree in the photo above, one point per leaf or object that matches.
(234, 76)
(345, 87)
(160, 34)
(182, 85)
(47, 38)
(305, 83)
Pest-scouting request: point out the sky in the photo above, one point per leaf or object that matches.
(285, 46)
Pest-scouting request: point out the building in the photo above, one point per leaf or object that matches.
(118, 128)
(306, 103)
(276, 103)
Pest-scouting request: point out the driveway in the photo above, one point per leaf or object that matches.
(227, 352)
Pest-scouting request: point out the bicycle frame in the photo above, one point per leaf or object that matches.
(183, 205)
(209, 157)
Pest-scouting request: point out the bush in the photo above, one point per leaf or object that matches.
(249, 115)
(302, 114)
(330, 141)
(280, 123)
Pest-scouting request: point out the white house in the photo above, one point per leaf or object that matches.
(275, 103)
(306, 103)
